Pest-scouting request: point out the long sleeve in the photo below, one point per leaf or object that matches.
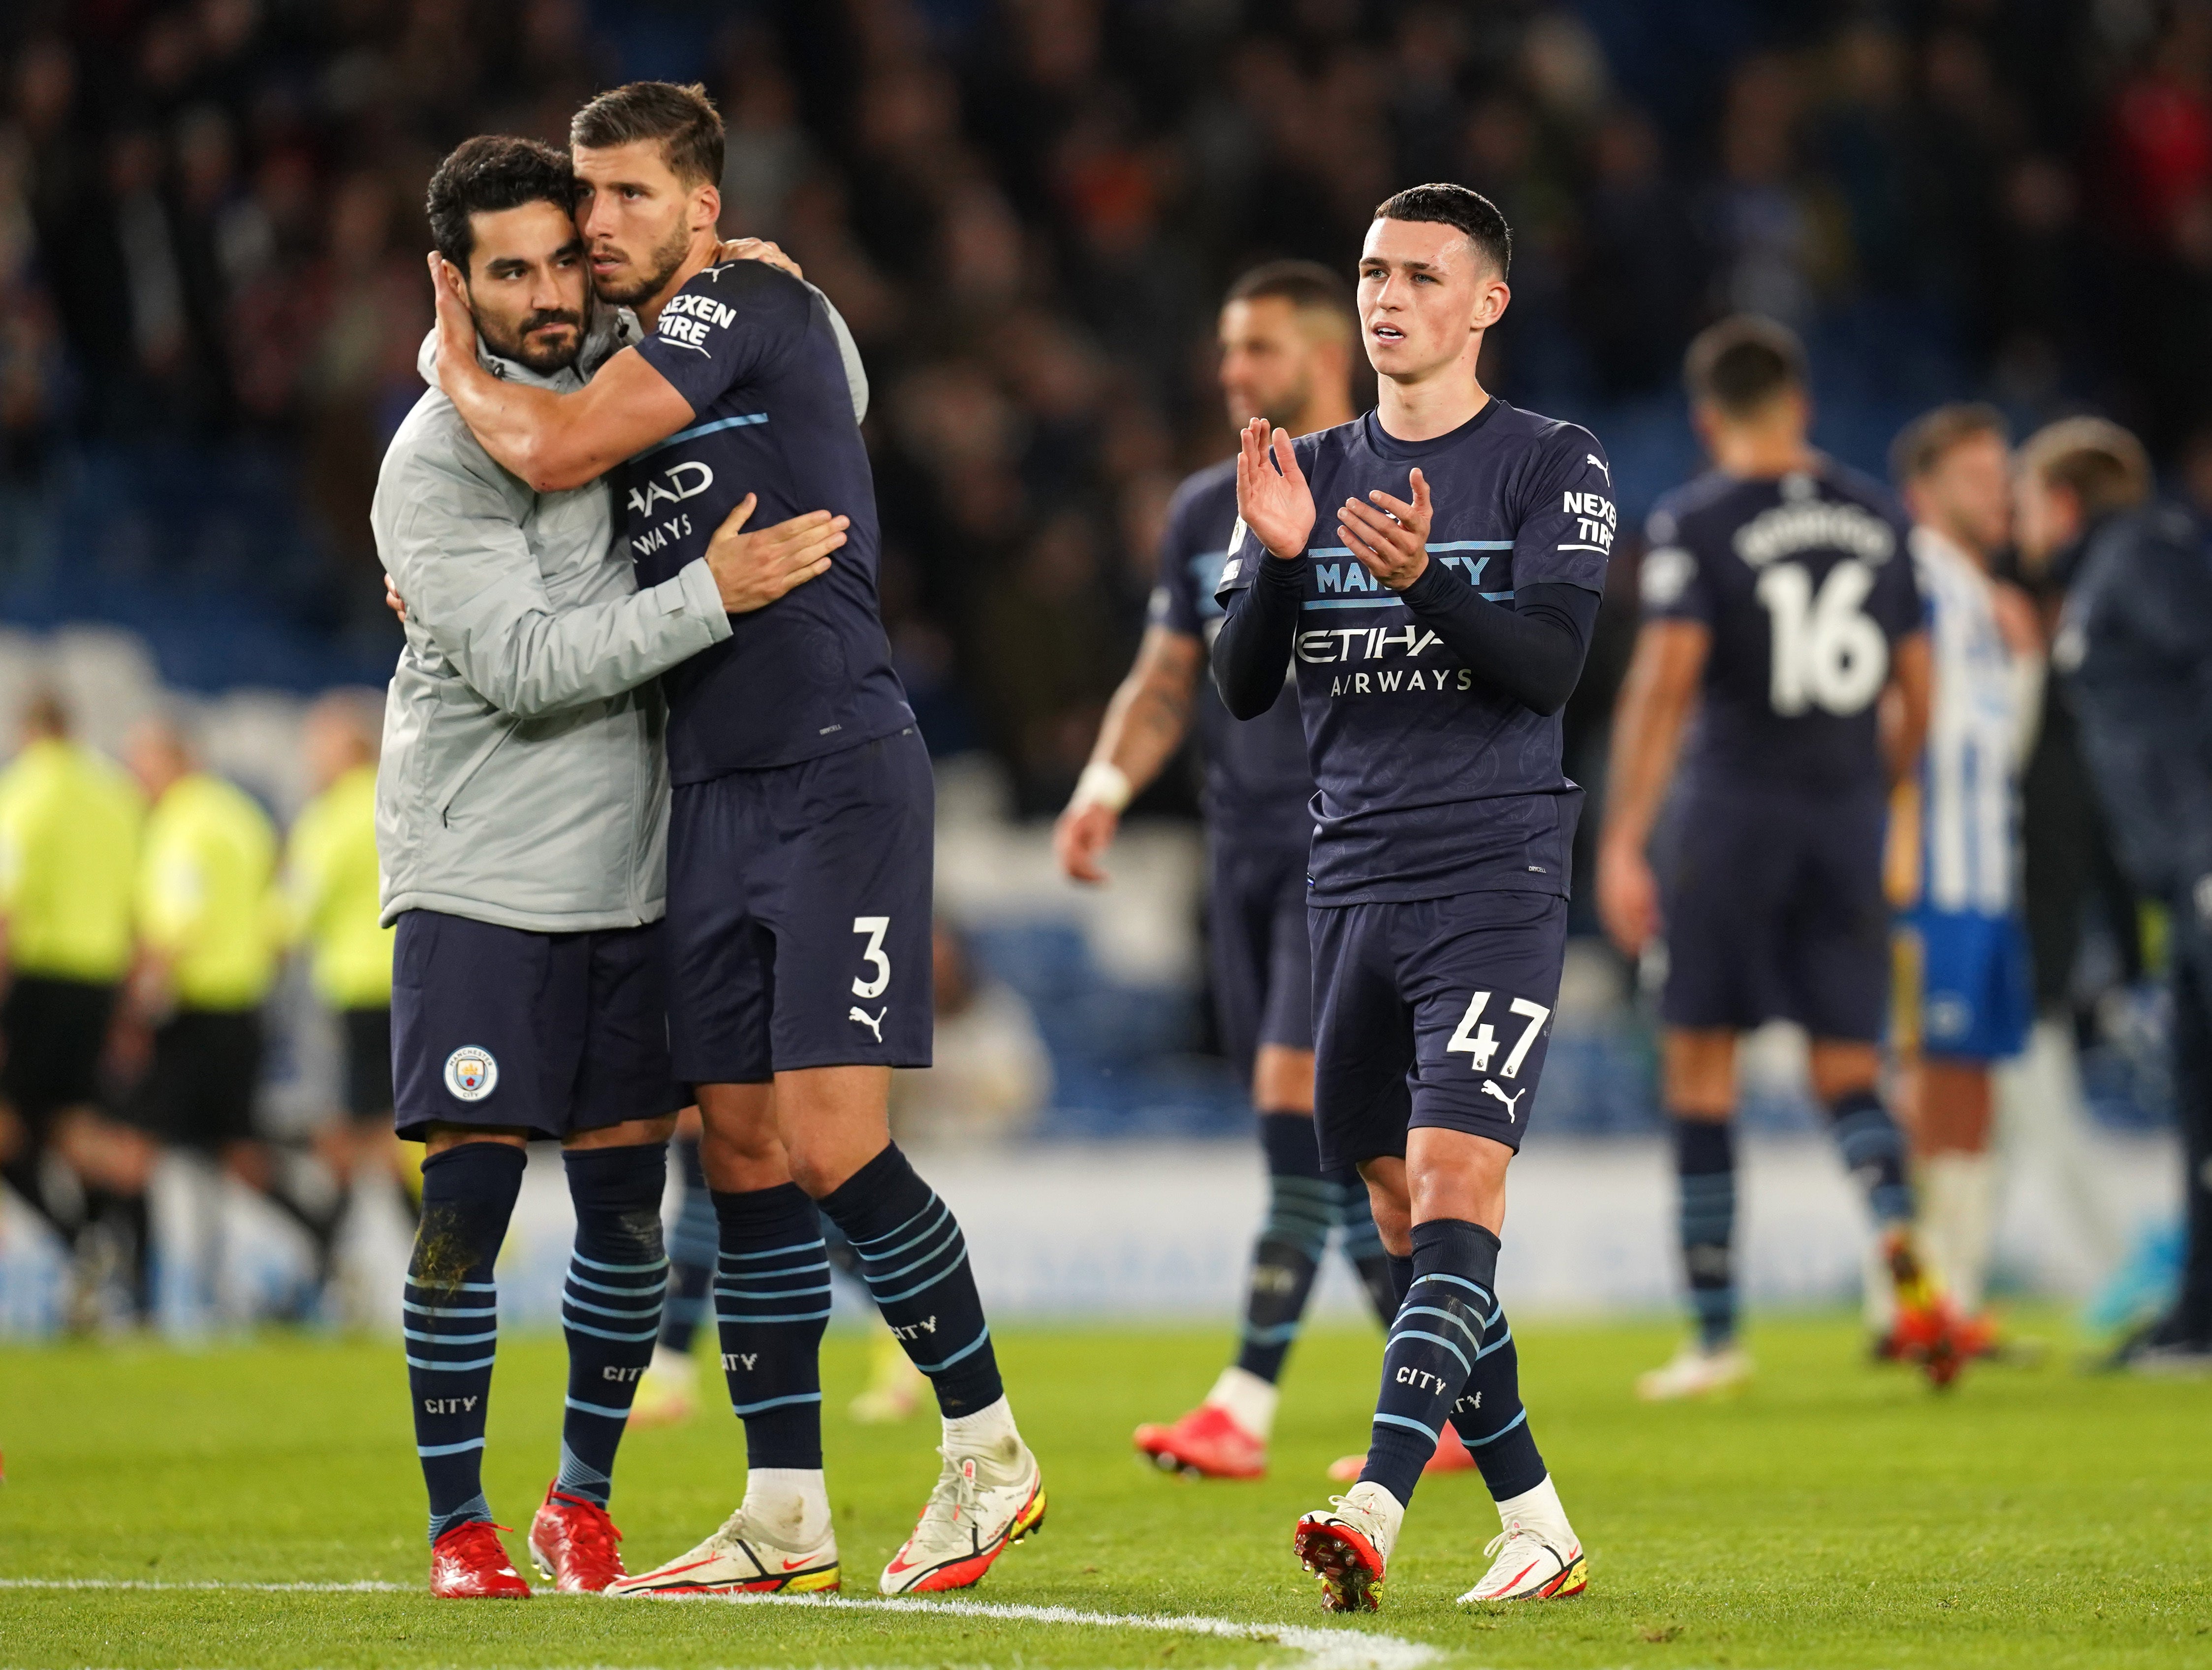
(1252, 651)
(456, 549)
(1533, 652)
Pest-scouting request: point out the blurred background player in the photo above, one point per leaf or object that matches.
(210, 923)
(70, 823)
(2135, 646)
(1963, 999)
(1779, 592)
(1288, 331)
(330, 871)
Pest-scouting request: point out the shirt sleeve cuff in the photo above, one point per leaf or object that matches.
(693, 592)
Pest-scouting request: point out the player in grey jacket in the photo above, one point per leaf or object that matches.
(522, 807)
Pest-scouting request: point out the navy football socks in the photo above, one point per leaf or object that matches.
(1490, 1420)
(692, 1246)
(610, 1304)
(771, 1304)
(1874, 1152)
(1302, 1207)
(915, 1260)
(1362, 1244)
(1432, 1349)
(1704, 1168)
(451, 1322)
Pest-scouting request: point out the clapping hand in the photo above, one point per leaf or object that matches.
(1273, 499)
(1389, 537)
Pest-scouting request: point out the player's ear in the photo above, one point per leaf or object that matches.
(706, 208)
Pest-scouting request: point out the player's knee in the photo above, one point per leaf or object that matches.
(821, 1167)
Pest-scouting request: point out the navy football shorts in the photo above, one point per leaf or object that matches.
(799, 925)
(1775, 911)
(1262, 961)
(548, 1033)
(1434, 1012)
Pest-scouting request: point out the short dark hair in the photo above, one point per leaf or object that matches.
(489, 172)
(683, 119)
(1927, 441)
(1742, 362)
(1456, 206)
(1308, 286)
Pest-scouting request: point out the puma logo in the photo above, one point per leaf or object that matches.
(1512, 1102)
(1592, 458)
(874, 1023)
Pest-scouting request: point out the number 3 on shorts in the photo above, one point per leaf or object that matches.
(874, 955)
(1473, 1036)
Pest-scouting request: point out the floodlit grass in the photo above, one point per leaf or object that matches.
(1837, 1515)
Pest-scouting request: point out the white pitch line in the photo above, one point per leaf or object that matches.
(1320, 1649)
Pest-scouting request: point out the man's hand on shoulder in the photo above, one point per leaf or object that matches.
(457, 325)
(1271, 494)
(751, 570)
(1389, 537)
(758, 249)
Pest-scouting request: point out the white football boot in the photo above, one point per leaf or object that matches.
(1535, 1555)
(1347, 1546)
(983, 1504)
(757, 1551)
(1697, 1372)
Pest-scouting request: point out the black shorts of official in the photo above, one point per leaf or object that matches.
(799, 927)
(1432, 1012)
(1775, 911)
(206, 1074)
(549, 1034)
(55, 1032)
(368, 1034)
(1263, 957)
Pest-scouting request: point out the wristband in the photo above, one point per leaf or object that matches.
(1104, 783)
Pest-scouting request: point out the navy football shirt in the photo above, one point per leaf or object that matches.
(1428, 780)
(1806, 584)
(1257, 780)
(756, 353)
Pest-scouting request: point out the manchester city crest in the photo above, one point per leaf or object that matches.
(471, 1073)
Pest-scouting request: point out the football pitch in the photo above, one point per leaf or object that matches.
(1836, 1514)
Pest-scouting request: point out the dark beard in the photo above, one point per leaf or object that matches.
(661, 267)
(544, 361)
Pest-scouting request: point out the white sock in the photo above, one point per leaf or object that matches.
(1877, 1288)
(1249, 1400)
(673, 1365)
(791, 1505)
(1958, 1202)
(989, 1436)
(1540, 1510)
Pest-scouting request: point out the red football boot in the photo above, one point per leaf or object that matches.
(1928, 1331)
(1451, 1456)
(572, 1543)
(1207, 1442)
(468, 1564)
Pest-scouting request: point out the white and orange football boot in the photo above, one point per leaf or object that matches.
(977, 1512)
(755, 1552)
(469, 1564)
(1535, 1555)
(1347, 1546)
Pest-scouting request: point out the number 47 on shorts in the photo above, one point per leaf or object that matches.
(1474, 1037)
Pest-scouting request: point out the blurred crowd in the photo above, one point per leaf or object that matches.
(210, 233)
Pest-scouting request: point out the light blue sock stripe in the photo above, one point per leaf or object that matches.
(775, 1251)
(1480, 1292)
(811, 1267)
(425, 1289)
(759, 1316)
(570, 1302)
(1506, 1338)
(466, 1445)
(1479, 1443)
(894, 1298)
(1278, 1335)
(653, 1332)
(601, 1410)
(1473, 1338)
(1434, 1437)
(1438, 1339)
(446, 1310)
(619, 1270)
(776, 1403)
(456, 1368)
(449, 1339)
(630, 1292)
(951, 1238)
(943, 1215)
(763, 1294)
(967, 1351)
(873, 1240)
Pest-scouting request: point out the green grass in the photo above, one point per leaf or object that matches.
(1836, 1516)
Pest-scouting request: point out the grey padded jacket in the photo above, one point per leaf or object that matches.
(524, 782)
